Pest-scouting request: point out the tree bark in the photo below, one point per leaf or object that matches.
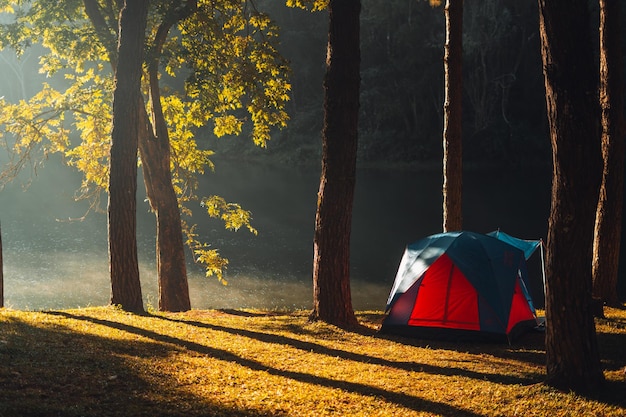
(608, 228)
(155, 151)
(122, 222)
(571, 81)
(332, 301)
(452, 119)
(171, 265)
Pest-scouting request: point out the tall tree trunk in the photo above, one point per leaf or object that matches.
(452, 119)
(122, 222)
(606, 245)
(571, 82)
(171, 266)
(331, 263)
(154, 146)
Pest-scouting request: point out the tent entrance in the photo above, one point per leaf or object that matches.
(445, 299)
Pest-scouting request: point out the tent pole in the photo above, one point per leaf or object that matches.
(543, 270)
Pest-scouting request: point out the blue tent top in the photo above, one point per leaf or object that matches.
(526, 246)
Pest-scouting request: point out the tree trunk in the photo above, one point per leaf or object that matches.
(122, 222)
(154, 148)
(572, 355)
(452, 119)
(331, 263)
(156, 157)
(170, 250)
(606, 245)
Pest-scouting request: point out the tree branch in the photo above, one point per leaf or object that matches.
(177, 12)
(103, 30)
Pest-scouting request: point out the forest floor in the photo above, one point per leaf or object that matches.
(106, 362)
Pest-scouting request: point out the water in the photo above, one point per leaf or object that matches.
(51, 264)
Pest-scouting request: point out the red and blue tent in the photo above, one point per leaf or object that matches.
(460, 286)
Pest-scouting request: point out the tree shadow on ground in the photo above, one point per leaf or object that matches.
(57, 371)
(357, 357)
(530, 348)
(243, 313)
(408, 401)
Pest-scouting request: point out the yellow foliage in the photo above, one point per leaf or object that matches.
(214, 263)
(228, 55)
(314, 5)
(227, 125)
(235, 23)
(261, 22)
(232, 214)
(229, 97)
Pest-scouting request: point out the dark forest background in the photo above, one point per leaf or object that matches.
(402, 85)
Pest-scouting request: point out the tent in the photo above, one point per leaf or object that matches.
(460, 286)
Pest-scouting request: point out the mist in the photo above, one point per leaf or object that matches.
(51, 262)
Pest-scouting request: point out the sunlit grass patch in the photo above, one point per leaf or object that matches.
(103, 361)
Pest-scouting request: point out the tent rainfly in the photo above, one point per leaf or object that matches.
(462, 286)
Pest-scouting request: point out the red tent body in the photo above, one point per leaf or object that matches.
(460, 285)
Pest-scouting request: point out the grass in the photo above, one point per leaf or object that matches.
(105, 362)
